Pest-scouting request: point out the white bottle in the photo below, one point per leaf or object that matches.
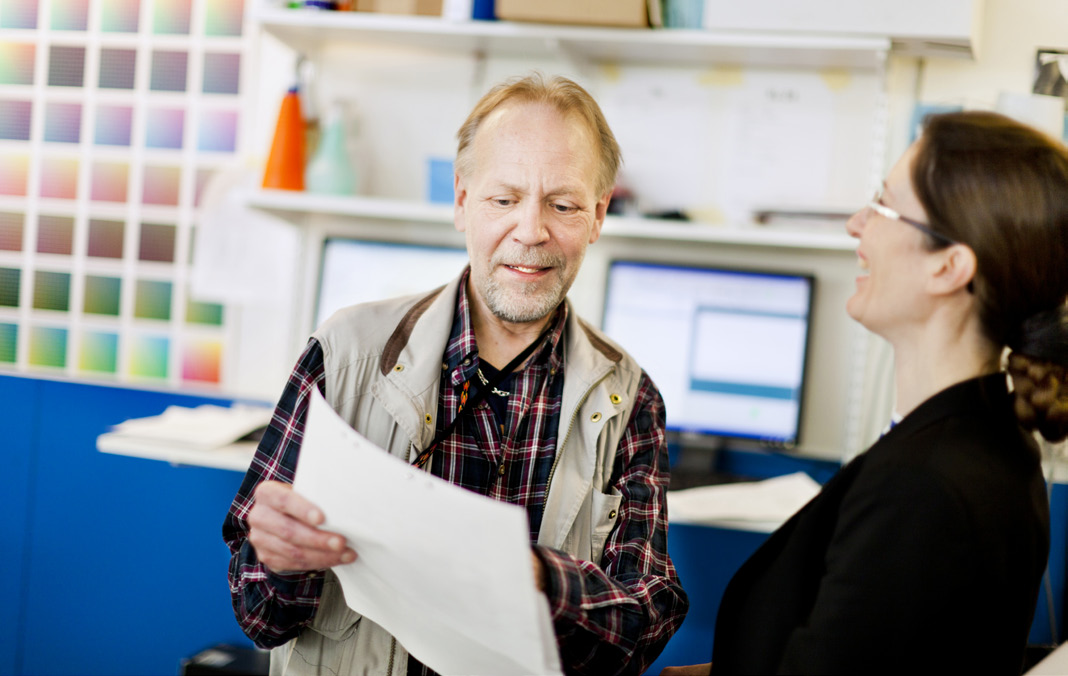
(330, 171)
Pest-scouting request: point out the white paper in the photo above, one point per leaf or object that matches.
(767, 504)
(446, 571)
(203, 427)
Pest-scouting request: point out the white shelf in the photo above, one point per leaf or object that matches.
(306, 30)
(377, 208)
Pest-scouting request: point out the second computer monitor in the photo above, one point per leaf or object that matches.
(727, 348)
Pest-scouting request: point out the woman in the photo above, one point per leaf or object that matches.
(925, 553)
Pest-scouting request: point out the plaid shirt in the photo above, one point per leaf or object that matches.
(610, 618)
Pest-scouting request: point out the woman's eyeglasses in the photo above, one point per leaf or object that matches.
(876, 205)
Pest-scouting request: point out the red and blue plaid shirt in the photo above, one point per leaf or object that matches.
(612, 616)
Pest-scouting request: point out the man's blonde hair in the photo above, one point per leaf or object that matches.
(562, 94)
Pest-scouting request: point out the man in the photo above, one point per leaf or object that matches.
(574, 434)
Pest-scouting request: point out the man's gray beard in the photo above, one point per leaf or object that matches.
(532, 303)
(520, 307)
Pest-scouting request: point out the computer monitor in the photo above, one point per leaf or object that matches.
(356, 271)
(727, 348)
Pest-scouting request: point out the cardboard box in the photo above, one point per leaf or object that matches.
(423, 7)
(630, 13)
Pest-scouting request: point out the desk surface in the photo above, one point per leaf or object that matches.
(236, 456)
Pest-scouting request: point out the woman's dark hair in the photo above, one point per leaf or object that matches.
(1001, 188)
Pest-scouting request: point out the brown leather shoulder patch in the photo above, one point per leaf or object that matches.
(604, 348)
(403, 332)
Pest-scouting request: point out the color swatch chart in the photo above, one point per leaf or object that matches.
(114, 115)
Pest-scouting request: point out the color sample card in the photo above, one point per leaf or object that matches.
(51, 291)
(102, 295)
(118, 68)
(172, 17)
(164, 128)
(11, 231)
(66, 66)
(105, 238)
(113, 124)
(148, 356)
(55, 235)
(217, 131)
(10, 285)
(224, 17)
(109, 181)
(63, 122)
(120, 16)
(202, 360)
(161, 185)
(169, 71)
(70, 15)
(59, 177)
(48, 347)
(222, 73)
(99, 352)
(18, 14)
(197, 312)
(9, 340)
(15, 119)
(14, 170)
(157, 243)
(16, 63)
(152, 300)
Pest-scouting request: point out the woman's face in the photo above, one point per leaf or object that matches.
(891, 254)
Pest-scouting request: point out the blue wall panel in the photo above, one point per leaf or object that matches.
(17, 403)
(129, 567)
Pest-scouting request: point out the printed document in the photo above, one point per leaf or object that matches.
(446, 571)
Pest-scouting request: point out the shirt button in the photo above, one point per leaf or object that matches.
(500, 470)
(596, 417)
(444, 366)
(467, 362)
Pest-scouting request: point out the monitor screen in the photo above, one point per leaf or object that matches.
(357, 271)
(725, 347)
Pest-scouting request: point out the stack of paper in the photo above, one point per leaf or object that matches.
(203, 427)
(757, 505)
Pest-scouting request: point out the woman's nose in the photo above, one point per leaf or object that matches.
(855, 224)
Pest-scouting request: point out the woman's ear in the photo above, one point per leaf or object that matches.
(956, 266)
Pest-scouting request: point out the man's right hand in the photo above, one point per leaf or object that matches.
(283, 529)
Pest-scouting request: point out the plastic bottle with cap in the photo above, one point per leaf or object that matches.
(285, 163)
(330, 171)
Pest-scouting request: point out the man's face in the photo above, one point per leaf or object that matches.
(529, 209)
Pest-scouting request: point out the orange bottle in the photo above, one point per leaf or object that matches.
(285, 163)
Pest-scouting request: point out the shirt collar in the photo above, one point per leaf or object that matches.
(462, 348)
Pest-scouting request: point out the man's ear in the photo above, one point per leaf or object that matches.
(956, 269)
(459, 202)
(599, 212)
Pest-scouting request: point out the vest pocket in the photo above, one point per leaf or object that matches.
(334, 619)
(603, 517)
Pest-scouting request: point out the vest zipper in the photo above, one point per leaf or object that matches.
(392, 650)
(570, 425)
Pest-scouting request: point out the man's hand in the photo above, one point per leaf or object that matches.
(539, 572)
(690, 670)
(283, 529)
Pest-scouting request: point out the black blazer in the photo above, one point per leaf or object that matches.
(922, 555)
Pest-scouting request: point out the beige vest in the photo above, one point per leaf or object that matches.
(383, 365)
